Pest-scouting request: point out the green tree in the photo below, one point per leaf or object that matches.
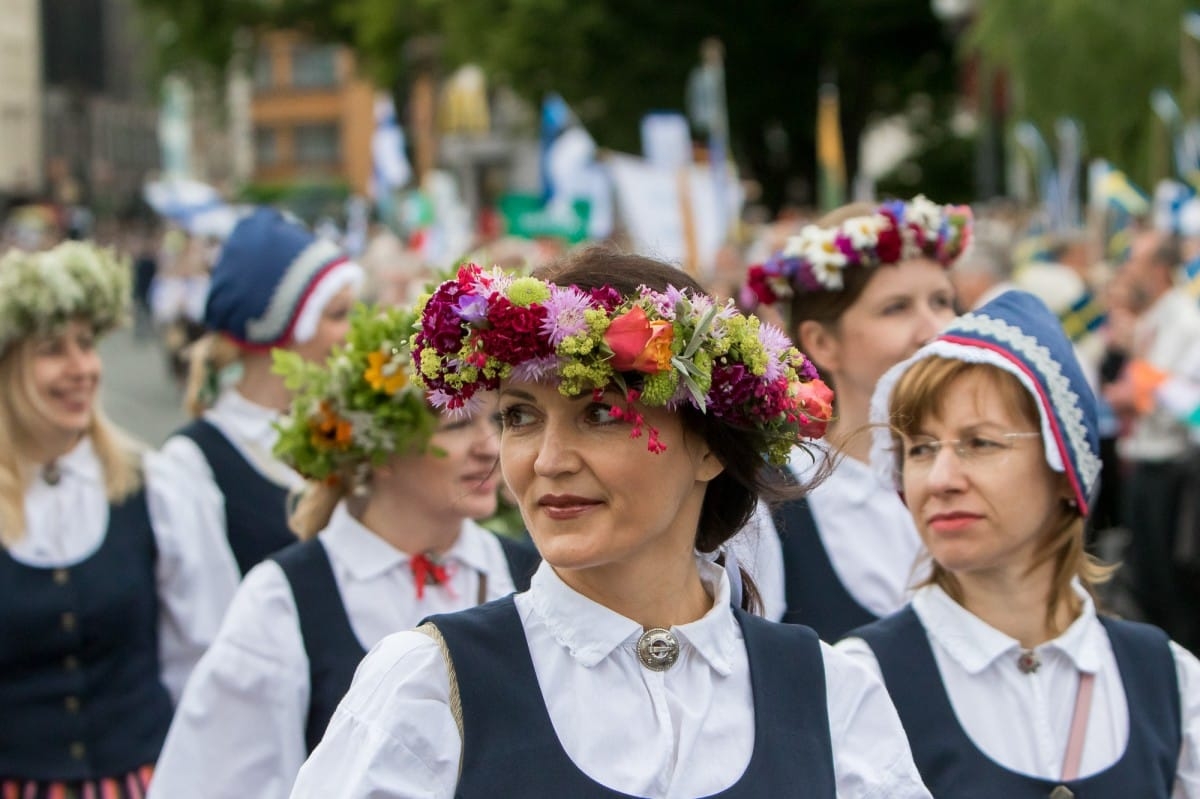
(1095, 60)
(615, 60)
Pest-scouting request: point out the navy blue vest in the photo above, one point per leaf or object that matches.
(333, 649)
(510, 747)
(815, 595)
(954, 768)
(255, 508)
(80, 690)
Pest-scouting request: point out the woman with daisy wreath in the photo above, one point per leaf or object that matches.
(110, 585)
(388, 538)
(864, 288)
(638, 419)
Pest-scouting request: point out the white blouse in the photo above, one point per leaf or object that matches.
(239, 730)
(977, 664)
(250, 427)
(66, 523)
(866, 530)
(685, 732)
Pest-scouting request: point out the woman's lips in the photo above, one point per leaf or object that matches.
(566, 506)
(952, 522)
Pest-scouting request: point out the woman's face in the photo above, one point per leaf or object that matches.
(901, 307)
(332, 327)
(593, 498)
(984, 509)
(457, 477)
(64, 377)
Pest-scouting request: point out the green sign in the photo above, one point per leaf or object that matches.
(525, 216)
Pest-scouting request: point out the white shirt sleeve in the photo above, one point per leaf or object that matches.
(1187, 778)
(393, 735)
(196, 572)
(239, 729)
(871, 756)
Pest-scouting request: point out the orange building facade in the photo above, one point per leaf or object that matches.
(313, 115)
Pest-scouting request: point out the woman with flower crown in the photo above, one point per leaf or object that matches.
(1009, 682)
(110, 588)
(865, 287)
(388, 539)
(638, 417)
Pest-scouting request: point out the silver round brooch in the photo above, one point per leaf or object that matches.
(658, 649)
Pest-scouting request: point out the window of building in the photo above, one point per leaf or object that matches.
(314, 66)
(317, 144)
(266, 147)
(263, 74)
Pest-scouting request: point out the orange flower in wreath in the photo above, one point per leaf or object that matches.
(332, 431)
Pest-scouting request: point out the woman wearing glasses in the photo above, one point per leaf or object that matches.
(865, 288)
(1008, 682)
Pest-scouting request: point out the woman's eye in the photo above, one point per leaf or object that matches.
(599, 413)
(983, 446)
(921, 451)
(514, 416)
(456, 424)
(895, 308)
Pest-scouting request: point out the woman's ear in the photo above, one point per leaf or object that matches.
(820, 344)
(709, 467)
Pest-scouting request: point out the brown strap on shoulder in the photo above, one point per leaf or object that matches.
(428, 628)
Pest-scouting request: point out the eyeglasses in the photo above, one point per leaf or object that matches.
(920, 453)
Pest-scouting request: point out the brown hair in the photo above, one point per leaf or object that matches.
(920, 395)
(731, 498)
(120, 454)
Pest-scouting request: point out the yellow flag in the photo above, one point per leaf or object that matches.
(831, 161)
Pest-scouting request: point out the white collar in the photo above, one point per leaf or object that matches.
(856, 481)
(975, 645)
(366, 556)
(80, 462)
(245, 419)
(590, 632)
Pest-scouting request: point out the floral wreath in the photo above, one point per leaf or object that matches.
(41, 291)
(351, 413)
(817, 258)
(662, 349)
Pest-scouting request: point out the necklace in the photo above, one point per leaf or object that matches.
(52, 473)
(658, 649)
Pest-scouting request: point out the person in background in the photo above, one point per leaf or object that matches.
(274, 286)
(1007, 680)
(1162, 355)
(111, 586)
(638, 419)
(386, 520)
(866, 286)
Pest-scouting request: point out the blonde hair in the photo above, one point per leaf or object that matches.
(312, 507)
(921, 395)
(120, 454)
(208, 356)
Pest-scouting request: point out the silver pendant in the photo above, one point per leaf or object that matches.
(51, 473)
(658, 649)
(1029, 661)
(1062, 792)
